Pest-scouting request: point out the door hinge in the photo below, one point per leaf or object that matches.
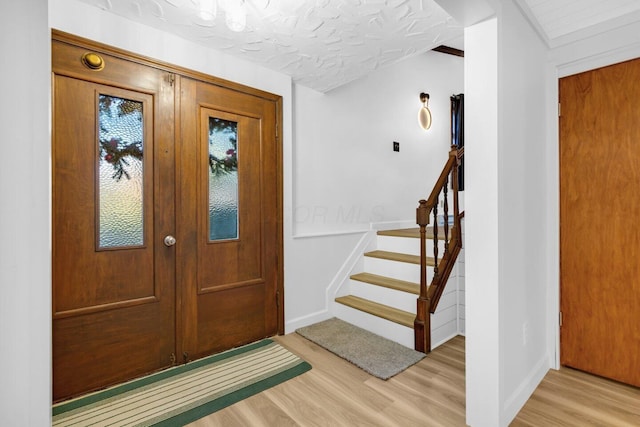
(278, 299)
(559, 109)
(172, 359)
(171, 79)
(277, 131)
(185, 357)
(560, 319)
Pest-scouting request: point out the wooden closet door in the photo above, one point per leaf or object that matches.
(113, 204)
(599, 227)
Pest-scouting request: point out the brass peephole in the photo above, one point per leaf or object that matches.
(93, 61)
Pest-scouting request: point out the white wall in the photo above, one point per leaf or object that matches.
(25, 302)
(346, 174)
(522, 201)
(461, 274)
(506, 270)
(481, 225)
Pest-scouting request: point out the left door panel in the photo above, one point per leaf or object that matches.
(113, 205)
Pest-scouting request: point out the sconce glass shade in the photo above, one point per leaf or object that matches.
(424, 117)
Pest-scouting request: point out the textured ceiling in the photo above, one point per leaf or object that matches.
(322, 44)
(560, 20)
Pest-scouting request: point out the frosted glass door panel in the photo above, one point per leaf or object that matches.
(223, 179)
(120, 173)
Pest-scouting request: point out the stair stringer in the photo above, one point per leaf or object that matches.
(340, 285)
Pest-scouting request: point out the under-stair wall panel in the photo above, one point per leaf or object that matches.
(459, 269)
(444, 322)
(461, 293)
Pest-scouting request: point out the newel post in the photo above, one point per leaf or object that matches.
(422, 324)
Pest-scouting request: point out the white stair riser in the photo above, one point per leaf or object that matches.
(440, 331)
(391, 297)
(406, 245)
(397, 270)
(387, 329)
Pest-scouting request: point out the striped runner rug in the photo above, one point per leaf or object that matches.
(183, 394)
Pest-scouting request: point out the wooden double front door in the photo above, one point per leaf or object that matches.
(166, 216)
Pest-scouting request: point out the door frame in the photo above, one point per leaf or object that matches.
(557, 68)
(61, 36)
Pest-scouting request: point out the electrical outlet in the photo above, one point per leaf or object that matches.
(396, 146)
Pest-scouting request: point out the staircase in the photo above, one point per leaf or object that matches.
(383, 296)
(399, 269)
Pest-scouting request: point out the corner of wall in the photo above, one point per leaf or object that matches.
(523, 392)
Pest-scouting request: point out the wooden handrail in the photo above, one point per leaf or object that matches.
(444, 175)
(430, 294)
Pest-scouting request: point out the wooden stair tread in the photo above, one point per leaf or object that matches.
(413, 233)
(397, 256)
(384, 311)
(388, 282)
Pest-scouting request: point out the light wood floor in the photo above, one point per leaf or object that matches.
(430, 393)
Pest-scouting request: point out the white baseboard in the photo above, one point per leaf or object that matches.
(293, 324)
(444, 340)
(520, 396)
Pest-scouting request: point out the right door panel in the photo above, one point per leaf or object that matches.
(228, 187)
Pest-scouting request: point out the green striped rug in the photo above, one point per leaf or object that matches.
(183, 394)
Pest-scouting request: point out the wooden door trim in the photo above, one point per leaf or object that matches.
(279, 218)
(74, 40)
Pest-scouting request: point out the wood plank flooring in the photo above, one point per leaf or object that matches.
(336, 393)
(430, 393)
(573, 398)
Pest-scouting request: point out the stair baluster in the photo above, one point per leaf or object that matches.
(445, 214)
(435, 235)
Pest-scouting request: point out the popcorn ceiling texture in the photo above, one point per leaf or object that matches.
(321, 44)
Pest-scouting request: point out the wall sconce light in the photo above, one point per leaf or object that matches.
(424, 115)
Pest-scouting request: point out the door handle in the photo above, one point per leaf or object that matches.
(169, 240)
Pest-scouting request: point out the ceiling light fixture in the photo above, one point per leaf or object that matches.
(424, 115)
(234, 10)
(236, 15)
(207, 9)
